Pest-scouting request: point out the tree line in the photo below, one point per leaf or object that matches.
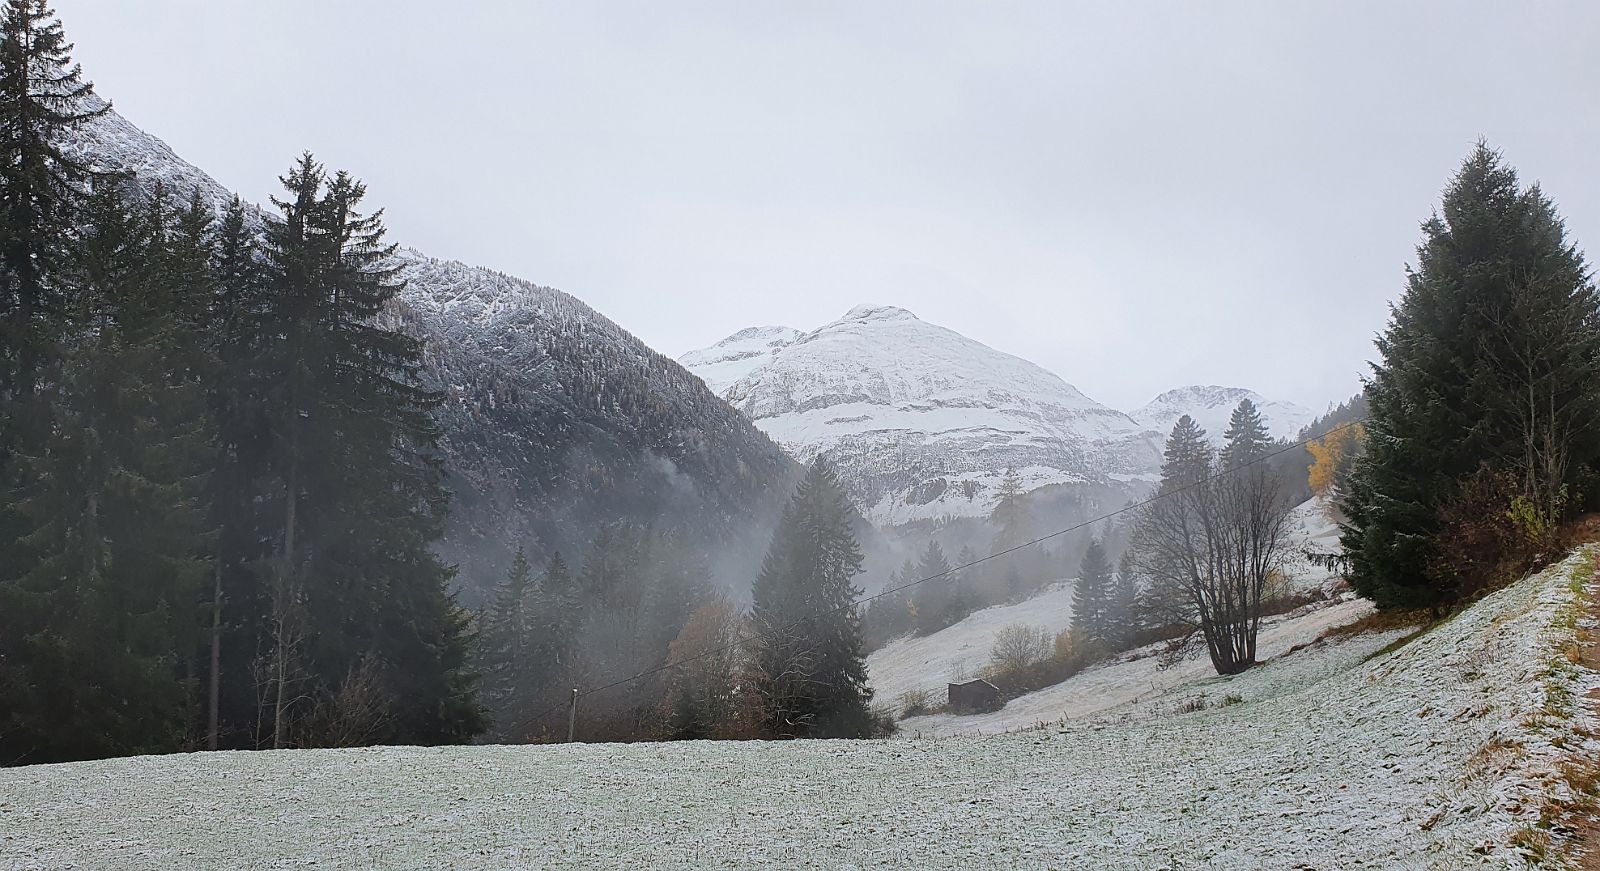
(789, 666)
(219, 480)
(937, 595)
(221, 487)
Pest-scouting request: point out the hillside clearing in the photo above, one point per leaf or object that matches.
(962, 650)
(1432, 755)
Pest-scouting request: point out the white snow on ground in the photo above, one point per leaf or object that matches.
(1136, 675)
(960, 651)
(1429, 756)
(1311, 531)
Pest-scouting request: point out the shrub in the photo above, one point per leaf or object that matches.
(881, 723)
(1019, 647)
(1489, 535)
(913, 703)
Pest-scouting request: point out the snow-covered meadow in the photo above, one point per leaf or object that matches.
(1429, 755)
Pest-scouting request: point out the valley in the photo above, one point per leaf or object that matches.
(1342, 754)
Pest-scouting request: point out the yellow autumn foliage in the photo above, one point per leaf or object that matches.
(1331, 456)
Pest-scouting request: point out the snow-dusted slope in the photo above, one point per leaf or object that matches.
(1136, 675)
(556, 419)
(1211, 406)
(961, 651)
(1312, 533)
(725, 363)
(1429, 756)
(921, 421)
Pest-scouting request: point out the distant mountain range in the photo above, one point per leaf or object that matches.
(923, 422)
(1212, 406)
(557, 420)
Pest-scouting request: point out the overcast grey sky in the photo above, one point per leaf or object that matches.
(1136, 196)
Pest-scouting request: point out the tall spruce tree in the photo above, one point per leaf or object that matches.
(508, 639)
(1125, 618)
(1247, 439)
(933, 594)
(808, 664)
(239, 602)
(1491, 361)
(1091, 598)
(42, 195)
(557, 620)
(1186, 459)
(117, 548)
(43, 97)
(353, 460)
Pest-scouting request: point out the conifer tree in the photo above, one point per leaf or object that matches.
(1246, 435)
(236, 387)
(509, 640)
(1186, 459)
(1010, 514)
(808, 666)
(118, 542)
(933, 594)
(1125, 618)
(1013, 525)
(560, 611)
(963, 593)
(42, 193)
(43, 97)
(557, 621)
(1091, 598)
(1489, 362)
(679, 584)
(354, 457)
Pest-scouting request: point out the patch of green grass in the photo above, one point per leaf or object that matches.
(1403, 640)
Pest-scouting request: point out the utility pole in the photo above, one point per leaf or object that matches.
(572, 717)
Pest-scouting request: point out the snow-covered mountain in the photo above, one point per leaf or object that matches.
(556, 419)
(921, 421)
(1211, 406)
(725, 363)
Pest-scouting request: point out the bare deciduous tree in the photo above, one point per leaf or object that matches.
(357, 712)
(1209, 548)
(1018, 647)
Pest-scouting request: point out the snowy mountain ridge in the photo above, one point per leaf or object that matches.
(725, 363)
(921, 421)
(1211, 406)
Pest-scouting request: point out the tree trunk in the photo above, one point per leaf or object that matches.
(285, 577)
(213, 703)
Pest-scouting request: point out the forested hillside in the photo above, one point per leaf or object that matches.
(554, 419)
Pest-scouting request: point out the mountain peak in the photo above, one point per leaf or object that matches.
(920, 421)
(1211, 405)
(724, 363)
(871, 312)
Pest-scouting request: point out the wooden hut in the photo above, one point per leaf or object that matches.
(974, 695)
